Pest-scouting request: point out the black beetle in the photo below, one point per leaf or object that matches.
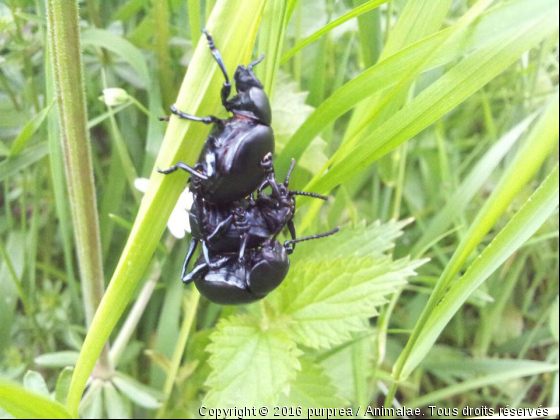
(237, 156)
(245, 224)
(229, 281)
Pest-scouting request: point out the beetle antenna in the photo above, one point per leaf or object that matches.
(308, 194)
(310, 238)
(254, 63)
(289, 175)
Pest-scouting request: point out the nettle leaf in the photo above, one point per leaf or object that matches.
(312, 389)
(332, 291)
(252, 363)
(290, 112)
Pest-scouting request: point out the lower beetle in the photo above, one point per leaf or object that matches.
(237, 156)
(245, 224)
(229, 281)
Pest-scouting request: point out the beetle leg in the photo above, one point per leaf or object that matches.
(244, 242)
(197, 272)
(206, 120)
(206, 253)
(292, 229)
(192, 249)
(184, 167)
(221, 228)
(226, 89)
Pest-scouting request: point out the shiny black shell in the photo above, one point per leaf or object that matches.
(231, 158)
(265, 219)
(237, 283)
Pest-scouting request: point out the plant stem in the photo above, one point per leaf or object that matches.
(161, 16)
(190, 306)
(139, 307)
(76, 149)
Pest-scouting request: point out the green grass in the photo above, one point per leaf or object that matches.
(432, 126)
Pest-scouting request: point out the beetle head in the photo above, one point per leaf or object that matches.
(245, 79)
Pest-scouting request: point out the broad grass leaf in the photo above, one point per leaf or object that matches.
(442, 96)
(271, 40)
(332, 291)
(521, 227)
(508, 18)
(25, 404)
(252, 363)
(541, 141)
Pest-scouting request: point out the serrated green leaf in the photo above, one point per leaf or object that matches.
(252, 363)
(312, 388)
(24, 404)
(333, 290)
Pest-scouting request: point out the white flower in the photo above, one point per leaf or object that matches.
(178, 223)
(114, 96)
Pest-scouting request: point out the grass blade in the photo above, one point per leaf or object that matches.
(30, 128)
(358, 11)
(539, 145)
(275, 20)
(446, 93)
(473, 182)
(525, 369)
(104, 39)
(495, 23)
(23, 404)
(521, 227)
(33, 154)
